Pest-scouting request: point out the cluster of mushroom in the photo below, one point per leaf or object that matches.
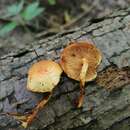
(79, 60)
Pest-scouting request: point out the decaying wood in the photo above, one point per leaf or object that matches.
(107, 99)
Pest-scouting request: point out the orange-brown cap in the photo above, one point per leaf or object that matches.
(43, 76)
(72, 60)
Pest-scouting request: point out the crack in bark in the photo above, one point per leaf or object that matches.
(115, 55)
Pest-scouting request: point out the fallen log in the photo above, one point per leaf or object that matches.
(107, 99)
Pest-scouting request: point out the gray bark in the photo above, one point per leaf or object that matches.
(102, 108)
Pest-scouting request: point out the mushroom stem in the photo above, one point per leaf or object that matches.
(27, 119)
(82, 82)
(39, 106)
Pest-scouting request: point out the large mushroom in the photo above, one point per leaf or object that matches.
(79, 61)
(43, 76)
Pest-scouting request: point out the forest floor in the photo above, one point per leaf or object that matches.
(65, 14)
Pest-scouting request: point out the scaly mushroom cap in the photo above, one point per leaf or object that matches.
(43, 76)
(72, 60)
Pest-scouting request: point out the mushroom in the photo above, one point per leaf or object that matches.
(79, 61)
(43, 76)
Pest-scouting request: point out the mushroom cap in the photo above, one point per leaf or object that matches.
(72, 60)
(43, 76)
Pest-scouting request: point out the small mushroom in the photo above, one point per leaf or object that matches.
(43, 76)
(79, 61)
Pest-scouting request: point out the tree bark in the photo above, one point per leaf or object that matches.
(107, 99)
